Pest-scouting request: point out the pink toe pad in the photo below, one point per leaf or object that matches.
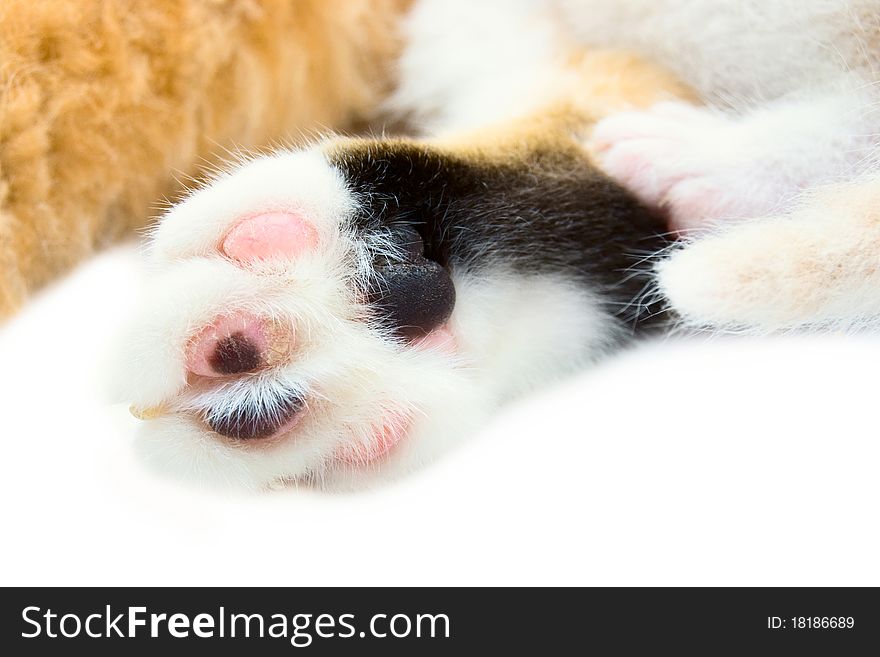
(236, 343)
(385, 436)
(268, 236)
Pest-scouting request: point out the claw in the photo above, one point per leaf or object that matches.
(149, 413)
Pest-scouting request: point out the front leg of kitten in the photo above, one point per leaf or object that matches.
(705, 167)
(815, 266)
(361, 306)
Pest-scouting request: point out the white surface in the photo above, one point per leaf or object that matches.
(698, 462)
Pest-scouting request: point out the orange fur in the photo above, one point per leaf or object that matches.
(101, 101)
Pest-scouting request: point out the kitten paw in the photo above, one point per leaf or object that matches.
(328, 314)
(285, 335)
(813, 267)
(697, 165)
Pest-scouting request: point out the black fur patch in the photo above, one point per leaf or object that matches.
(550, 211)
(249, 423)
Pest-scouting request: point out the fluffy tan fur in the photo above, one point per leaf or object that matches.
(103, 101)
(592, 85)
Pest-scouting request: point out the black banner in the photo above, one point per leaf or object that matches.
(439, 621)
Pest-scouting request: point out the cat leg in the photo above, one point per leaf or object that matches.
(704, 166)
(816, 266)
(360, 306)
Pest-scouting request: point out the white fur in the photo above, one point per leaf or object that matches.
(512, 332)
(737, 54)
(469, 64)
(703, 165)
(472, 63)
(815, 266)
(298, 182)
(792, 94)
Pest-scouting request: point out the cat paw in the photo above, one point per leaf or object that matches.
(697, 165)
(306, 318)
(814, 267)
(281, 335)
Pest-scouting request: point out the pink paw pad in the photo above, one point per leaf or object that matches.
(269, 236)
(385, 437)
(441, 340)
(238, 343)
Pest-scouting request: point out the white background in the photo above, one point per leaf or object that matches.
(681, 463)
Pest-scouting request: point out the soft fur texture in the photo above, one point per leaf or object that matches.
(497, 196)
(541, 247)
(104, 102)
(787, 148)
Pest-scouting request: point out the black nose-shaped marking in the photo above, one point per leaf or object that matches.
(235, 354)
(414, 295)
(414, 298)
(252, 423)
